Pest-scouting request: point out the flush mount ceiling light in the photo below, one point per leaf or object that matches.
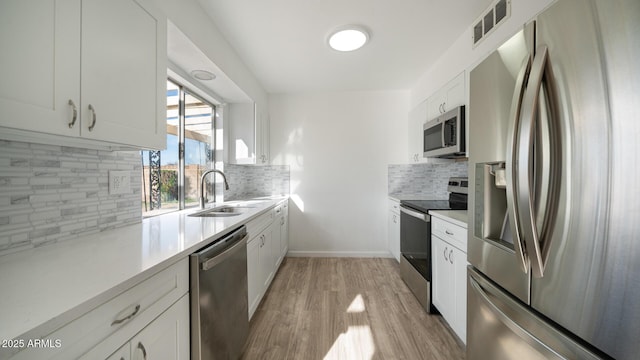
(348, 38)
(203, 75)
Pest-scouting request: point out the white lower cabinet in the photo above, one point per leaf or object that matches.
(167, 337)
(449, 274)
(156, 307)
(393, 235)
(264, 253)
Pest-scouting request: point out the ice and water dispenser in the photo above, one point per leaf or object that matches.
(491, 218)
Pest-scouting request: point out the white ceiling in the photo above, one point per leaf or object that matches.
(283, 42)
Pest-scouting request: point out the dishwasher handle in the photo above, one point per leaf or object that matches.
(416, 214)
(222, 249)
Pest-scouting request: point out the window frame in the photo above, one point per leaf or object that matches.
(183, 91)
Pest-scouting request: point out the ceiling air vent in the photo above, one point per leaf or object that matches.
(495, 15)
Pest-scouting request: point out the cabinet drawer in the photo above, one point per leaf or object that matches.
(113, 323)
(257, 225)
(394, 206)
(451, 233)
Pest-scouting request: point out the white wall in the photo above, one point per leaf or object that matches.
(338, 146)
(461, 55)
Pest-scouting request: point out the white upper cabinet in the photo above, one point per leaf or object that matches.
(417, 118)
(86, 69)
(40, 69)
(447, 98)
(263, 125)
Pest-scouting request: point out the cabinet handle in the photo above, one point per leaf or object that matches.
(451, 256)
(395, 219)
(448, 232)
(120, 321)
(144, 351)
(74, 117)
(282, 221)
(445, 253)
(93, 117)
(444, 109)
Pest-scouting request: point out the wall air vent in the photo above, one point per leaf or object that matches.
(486, 23)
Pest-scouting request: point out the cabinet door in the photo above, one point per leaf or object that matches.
(167, 337)
(254, 280)
(417, 118)
(124, 72)
(275, 244)
(455, 92)
(242, 127)
(262, 137)
(436, 103)
(267, 258)
(442, 288)
(394, 234)
(124, 353)
(284, 234)
(459, 325)
(40, 57)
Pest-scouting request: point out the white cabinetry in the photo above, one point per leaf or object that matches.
(74, 73)
(248, 134)
(281, 232)
(265, 252)
(449, 256)
(154, 312)
(417, 118)
(447, 98)
(240, 119)
(167, 337)
(263, 133)
(394, 228)
(260, 265)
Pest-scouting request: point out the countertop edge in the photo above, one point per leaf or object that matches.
(457, 217)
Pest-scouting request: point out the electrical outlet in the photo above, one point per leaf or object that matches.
(119, 182)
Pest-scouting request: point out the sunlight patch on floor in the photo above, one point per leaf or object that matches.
(356, 343)
(357, 305)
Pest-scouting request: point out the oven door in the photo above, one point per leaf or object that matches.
(415, 239)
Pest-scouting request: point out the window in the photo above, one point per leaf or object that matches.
(171, 178)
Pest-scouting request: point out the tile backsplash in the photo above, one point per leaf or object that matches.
(53, 193)
(424, 180)
(249, 181)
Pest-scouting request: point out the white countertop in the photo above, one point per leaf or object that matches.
(458, 217)
(45, 288)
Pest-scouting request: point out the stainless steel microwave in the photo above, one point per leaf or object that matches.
(444, 136)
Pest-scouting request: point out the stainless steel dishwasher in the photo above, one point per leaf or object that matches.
(219, 304)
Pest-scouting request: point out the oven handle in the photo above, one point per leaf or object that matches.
(418, 215)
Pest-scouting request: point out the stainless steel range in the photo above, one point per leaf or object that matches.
(415, 238)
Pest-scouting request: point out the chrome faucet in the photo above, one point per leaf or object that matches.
(202, 181)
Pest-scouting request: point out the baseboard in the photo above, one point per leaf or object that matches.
(354, 254)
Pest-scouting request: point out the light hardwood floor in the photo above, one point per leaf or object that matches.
(345, 308)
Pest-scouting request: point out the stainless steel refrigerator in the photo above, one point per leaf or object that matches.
(554, 235)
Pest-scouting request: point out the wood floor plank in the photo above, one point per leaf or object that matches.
(345, 308)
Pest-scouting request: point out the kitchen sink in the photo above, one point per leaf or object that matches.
(222, 211)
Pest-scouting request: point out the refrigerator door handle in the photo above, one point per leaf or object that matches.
(510, 166)
(525, 189)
